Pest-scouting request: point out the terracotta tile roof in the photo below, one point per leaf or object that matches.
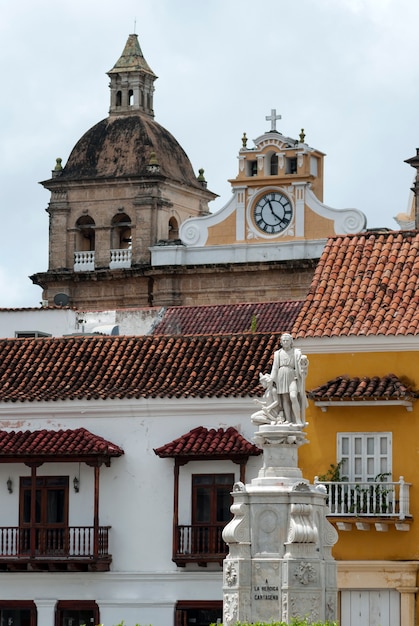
(388, 387)
(267, 317)
(78, 443)
(365, 284)
(201, 442)
(60, 368)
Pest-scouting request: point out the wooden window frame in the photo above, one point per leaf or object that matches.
(183, 606)
(213, 497)
(76, 605)
(361, 464)
(28, 527)
(23, 605)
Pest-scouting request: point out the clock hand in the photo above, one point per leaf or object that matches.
(273, 212)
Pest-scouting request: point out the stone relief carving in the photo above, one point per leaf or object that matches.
(231, 574)
(231, 606)
(305, 606)
(305, 573)
(330, 607)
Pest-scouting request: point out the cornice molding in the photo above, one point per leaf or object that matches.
(358, 343)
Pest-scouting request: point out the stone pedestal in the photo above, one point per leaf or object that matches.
(279, 564)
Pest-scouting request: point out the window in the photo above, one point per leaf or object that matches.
(173, 229)
(31, 334)
(76, 613)
(86, 234)
(121, 232)
(252, 168)
(195, 613)
(17, 613)
(211, 501)
(291, 165)
(46, 534)
(364, 456)
(274, 165)
(314, 169)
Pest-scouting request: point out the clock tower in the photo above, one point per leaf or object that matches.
(276, 211)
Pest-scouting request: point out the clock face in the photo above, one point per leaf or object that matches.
(273, 213)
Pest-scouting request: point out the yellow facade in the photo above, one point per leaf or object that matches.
(370, 559)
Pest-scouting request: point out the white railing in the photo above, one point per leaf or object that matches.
(84, 261)
(120, 258)
(367, 499)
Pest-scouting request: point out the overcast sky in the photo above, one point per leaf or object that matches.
(344, 70)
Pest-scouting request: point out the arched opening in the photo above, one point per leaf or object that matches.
(120, 241)
(130, 97)
(173, 229)
(86, 234)
(121, 232)
(118, 100)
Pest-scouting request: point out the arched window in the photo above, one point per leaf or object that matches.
(118, 101)
(173, 229)
(130, 97)
(121, 232)
(86, 234)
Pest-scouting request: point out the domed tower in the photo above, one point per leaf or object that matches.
(126, 186)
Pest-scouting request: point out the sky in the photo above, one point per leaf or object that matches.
(344, 70)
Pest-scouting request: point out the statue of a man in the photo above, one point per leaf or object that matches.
(289, 371)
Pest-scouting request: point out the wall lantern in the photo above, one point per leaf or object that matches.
(76, 484)
(9, 485)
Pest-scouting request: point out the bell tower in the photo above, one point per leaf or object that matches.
(132, 82)
(127, 186)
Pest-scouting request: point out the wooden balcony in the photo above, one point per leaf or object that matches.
(75, 548)
(364, 503)
(199, 544)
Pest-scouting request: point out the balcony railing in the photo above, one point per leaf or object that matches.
(368, 499)
(120, 258)
(54, 545)
(84, 261)
(199, 544)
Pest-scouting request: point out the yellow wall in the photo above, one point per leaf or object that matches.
(316, 457)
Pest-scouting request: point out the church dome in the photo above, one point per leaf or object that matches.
(121, 146)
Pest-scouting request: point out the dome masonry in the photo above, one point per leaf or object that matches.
(121, 145)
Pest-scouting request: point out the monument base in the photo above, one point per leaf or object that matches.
(279, 565)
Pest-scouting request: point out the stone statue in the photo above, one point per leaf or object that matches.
(271, 410)
(289, 371)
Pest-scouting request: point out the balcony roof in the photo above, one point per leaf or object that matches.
(201, 443)
(78, 445)
(343, 390)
